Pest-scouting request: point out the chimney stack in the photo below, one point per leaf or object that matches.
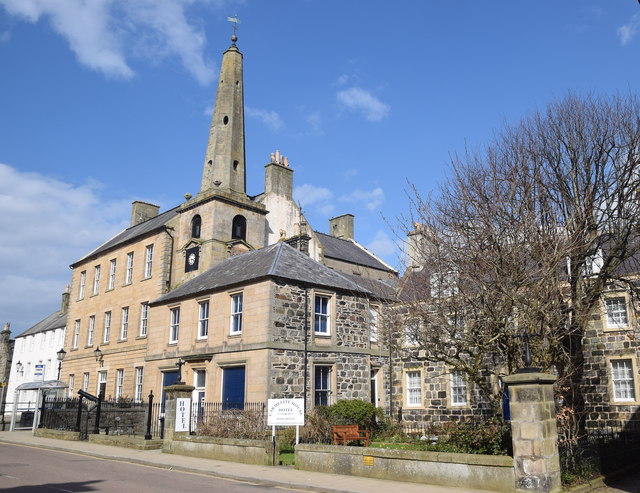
(279, 176)
(342, 227)
(142, 211)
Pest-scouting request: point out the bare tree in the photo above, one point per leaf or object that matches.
(526, 235)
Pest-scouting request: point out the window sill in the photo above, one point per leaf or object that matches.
(108, 289)
(624, 403)
(235, 334)
(127, 284)
(202, 339)
(146, 278)
(173, 343)
(141, 337)
(322, 334)
(121, 340)
(105, 343)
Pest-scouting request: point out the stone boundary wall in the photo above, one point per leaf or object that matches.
(491, 472)
(137, 443)
(257, 452)
(57, 434)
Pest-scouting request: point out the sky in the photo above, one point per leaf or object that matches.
(103, 102)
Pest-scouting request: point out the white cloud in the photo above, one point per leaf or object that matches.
(270, 118)
(371, 199)
(51, 225)
(627, 32)
(358, 99)
(382, 245)
(317, 198)
(103, 34)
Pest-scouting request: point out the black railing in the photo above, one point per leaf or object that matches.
(230, 420)
(604, 448)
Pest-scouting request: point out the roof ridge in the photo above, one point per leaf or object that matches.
(276, 259)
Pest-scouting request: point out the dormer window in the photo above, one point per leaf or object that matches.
(196, 226)
(239, 228)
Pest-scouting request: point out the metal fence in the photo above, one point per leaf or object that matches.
(229, 420)
(113, 417)
(604, 448)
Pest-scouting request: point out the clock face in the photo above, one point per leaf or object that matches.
(192, 258)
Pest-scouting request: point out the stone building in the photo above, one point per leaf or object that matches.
(35, 355)
(271, 323)
(426, 390)
(119, 322)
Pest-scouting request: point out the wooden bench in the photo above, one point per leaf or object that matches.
(350, 433)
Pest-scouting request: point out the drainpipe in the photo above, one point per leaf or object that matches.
(166, 230)
(306, 340)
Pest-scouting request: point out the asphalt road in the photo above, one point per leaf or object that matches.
(26, 469)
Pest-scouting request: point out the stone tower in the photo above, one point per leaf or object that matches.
(224, 164)
(221, 220)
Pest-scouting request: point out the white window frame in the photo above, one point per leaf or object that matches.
(616, 312)
(92, 328)
(203, 319)
(237, 305)
(128, 277)
(327, 390)
(623, 380)
(96, 280)
(174, 325)
(106, 335)
(138, 383)
(148, 261)
(322, 319)
(43, 340)
(76, 335)
(83, 282)
(144, 319)
(119, 383)
(102, 379)
(413, 386)
(124, 324)
(85, 381)
(458, 388)
(72, 381)
(112, 273)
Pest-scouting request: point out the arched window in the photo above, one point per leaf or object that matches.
(239, 228)
(196, 226)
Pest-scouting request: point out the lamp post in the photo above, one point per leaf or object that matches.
(61, 354)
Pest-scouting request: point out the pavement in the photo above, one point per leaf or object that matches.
(283, 476)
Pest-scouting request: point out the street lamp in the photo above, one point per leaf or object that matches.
(98, 354)
(19, 367)
(61, 354)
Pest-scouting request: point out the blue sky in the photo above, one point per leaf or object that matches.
(108, 101)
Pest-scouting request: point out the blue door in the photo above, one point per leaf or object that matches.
(233, 387)
(168, 378)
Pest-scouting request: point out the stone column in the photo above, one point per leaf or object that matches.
(174, 392)
(534, 432)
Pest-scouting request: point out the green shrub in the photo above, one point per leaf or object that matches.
(354, 412)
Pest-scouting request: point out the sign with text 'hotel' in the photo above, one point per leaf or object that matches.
(285, 412)
(183, 412)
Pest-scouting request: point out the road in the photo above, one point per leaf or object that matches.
(26, 469)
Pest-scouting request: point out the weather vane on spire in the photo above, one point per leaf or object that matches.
(235, 21)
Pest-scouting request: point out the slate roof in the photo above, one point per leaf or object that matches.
(56, 320)
(275, 261)
(350, 251)
(132, 233)
(384, 289)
